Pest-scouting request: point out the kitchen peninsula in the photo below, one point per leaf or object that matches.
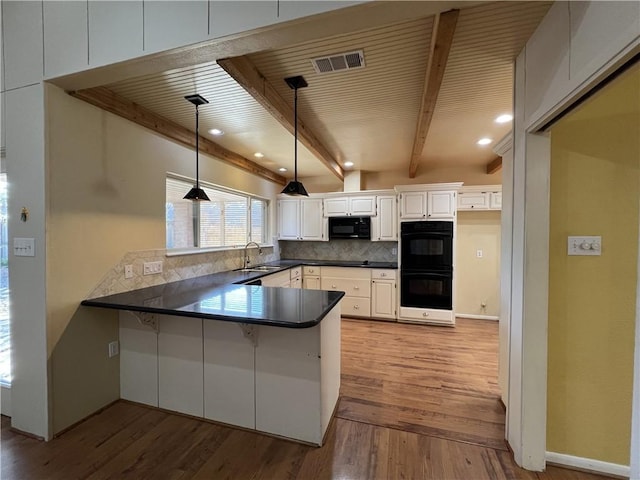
(216, 347)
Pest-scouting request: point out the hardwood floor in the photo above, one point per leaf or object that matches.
(418, 403)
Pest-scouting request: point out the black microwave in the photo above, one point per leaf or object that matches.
(350, 227)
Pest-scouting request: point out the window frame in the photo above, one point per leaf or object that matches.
(197, 216)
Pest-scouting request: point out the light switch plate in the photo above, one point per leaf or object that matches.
(589, 245)
(24, 247)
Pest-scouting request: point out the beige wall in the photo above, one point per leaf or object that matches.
(478, 279)
(106, 196)
(595, 190)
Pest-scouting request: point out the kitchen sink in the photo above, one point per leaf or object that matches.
(259, 268)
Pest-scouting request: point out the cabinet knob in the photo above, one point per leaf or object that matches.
(333, 286)
(425, 314)
(383, 274)
(356, 307)
(356, 288)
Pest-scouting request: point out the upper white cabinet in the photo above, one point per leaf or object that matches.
(413, 205)
(66, 37)
(114, 31)
(170, 24)
(357, 206)
(229, 17)
(301, 219)
(427, 205)
(485, 197)
(22, 43)
(384, 226)
(441, 204)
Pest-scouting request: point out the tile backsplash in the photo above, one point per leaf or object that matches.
(174, 268)
(355, 250)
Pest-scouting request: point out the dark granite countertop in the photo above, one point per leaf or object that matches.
(226, 296)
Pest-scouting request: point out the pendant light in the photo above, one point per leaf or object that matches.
(196, 193)
(295, 187)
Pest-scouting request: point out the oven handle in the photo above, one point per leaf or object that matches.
(422, 273)
(425, 234)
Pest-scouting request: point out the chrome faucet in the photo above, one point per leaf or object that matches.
(245, 257)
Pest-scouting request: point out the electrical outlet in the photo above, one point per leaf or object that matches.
(394, 251)
(114, 349)
(128, 271)
(152, 268)
(479, 253)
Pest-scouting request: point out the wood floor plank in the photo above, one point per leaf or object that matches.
(417, 402)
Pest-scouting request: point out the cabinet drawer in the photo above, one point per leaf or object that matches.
(311, 270)
(383, 274)
(355, 307)
(347, 272)
(295, 273)
(426, 315)
(351, 286)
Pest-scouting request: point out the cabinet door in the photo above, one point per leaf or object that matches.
(229, 377)
(362, 206)
(313, 225)
(289, 219)
(473, 201)
(383, 299)
(180, 365)
(276, 279)
(385, 224)
(413, 205)
(336, 207)
(311, 283)
(441, 204)
(495, 200)
(296, 283)
(138, 361)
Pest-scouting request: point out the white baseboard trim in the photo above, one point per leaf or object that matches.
(5, 400)
(588, 464)
(477, 317)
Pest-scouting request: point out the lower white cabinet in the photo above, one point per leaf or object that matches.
(229, 379)
(180, 364)
(383, 294)
(355, 282)
(138, 361)
(311, 277)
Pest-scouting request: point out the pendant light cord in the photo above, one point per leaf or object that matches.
(295, 134)
(197, 149)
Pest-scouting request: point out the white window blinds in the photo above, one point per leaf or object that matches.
(229, 219)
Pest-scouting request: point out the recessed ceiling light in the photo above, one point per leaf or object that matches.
(484, 141)
(282, 169)
(348, 164)
(216, 131)
(505, 118)
(258, 154)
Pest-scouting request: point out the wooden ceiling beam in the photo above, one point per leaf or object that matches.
(111, 102)
(494, 165)
(444, 26)
(244, 72)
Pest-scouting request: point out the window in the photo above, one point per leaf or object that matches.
(5, 338)
(229, 219)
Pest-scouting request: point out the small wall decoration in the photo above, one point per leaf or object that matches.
(24, 214)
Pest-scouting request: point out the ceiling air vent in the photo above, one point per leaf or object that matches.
(339, 62)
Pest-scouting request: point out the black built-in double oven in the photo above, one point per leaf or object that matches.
(426, 264)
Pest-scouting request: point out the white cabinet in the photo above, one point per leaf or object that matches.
(429, 204)
(495, 200)
(355, 282)
(302, 219)
(441, 204)
(473, 201)
(23, 45)
(280, 279)
(170, 24)
(356, 206)
(180, 365)
(384, 225)
(487, 197)
(295, 277)
(229, 377)
(383, 294)
(65, 37)
(114, 31)
(311, 277)
(413, 205)
(138, 361)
